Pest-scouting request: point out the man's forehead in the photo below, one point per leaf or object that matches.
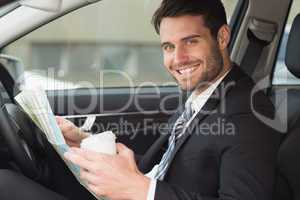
(181, 27)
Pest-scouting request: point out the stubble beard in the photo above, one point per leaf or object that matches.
(215, 67)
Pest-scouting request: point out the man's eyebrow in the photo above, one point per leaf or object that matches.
(165, 43)
(183, 39)
(191, 37)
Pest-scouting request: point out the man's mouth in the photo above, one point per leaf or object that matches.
(187, 70)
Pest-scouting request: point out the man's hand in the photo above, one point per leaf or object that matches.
(72, 134)
(116, 177)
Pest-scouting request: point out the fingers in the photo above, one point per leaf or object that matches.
(71, 132)
(97, 190)
(89, 177)
(128, 154)
(121, 147)
(90, 155)
(89, 160)
(105, 174)
(64, 123)
(59, 119)
(79, 160)
(70, 143)
(124, 151)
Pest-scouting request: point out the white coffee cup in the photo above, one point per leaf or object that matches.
(104, 142)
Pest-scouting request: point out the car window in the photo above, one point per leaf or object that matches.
(107, 44)
(282, 76)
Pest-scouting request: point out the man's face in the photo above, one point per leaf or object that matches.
(191, 54)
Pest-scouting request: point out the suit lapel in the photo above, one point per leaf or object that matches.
(209, 107)
(148, 160)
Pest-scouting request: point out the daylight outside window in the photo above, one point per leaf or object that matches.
(101, 45)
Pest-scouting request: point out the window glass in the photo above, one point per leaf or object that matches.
(282, 76)
(101, 45)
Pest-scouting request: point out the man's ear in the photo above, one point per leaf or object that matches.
(224, 36)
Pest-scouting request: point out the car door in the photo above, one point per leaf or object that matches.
(104, 62)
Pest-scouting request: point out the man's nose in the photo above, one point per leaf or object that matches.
(180, 55)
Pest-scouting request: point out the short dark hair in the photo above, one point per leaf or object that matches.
(213, 12)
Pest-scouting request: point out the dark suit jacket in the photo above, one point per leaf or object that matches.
(226, 153)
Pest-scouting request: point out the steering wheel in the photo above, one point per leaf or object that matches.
(24, 141)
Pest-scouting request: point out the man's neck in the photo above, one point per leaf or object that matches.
(226, 68)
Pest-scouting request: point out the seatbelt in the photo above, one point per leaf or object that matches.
(260, 34)
(7, 81)
(253, 53)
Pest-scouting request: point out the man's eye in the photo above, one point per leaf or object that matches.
(168, 47)
(191, 41)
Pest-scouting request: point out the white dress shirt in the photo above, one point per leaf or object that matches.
(197, 102)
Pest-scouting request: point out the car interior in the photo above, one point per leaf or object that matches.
(258, 29)
(287, 157)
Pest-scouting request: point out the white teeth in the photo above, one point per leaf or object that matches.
(186, 71)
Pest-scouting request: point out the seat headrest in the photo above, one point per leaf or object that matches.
(292, 57)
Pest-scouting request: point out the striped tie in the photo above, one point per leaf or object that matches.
(177, 132)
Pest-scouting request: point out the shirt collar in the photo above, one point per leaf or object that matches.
(198, 101)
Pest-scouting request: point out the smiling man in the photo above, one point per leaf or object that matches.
(215, 147)
(192, 55)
